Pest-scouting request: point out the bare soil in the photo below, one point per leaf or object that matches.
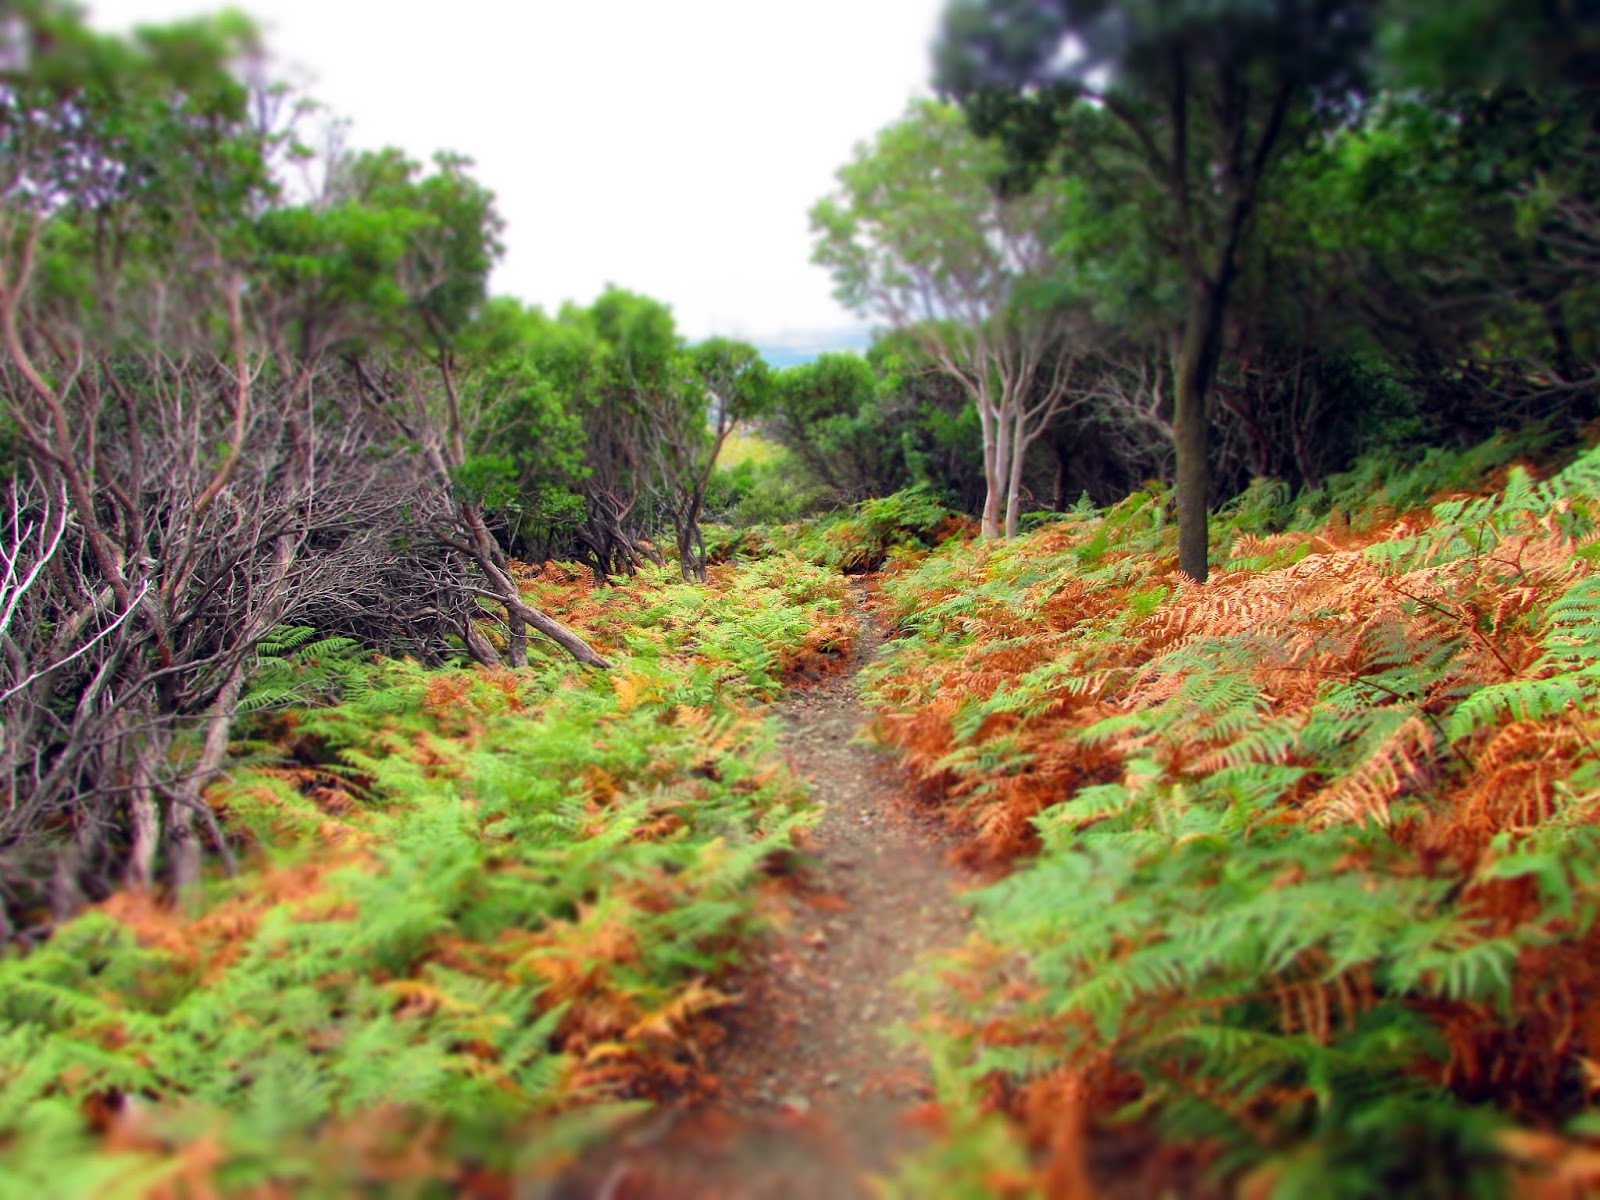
(815, 1091)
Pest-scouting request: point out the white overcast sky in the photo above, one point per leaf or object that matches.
(673, 148)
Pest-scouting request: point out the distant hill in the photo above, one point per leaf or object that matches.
(793, 349)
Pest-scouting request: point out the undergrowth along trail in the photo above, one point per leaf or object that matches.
(1297, 886)
(484, 915)
(1303, 859)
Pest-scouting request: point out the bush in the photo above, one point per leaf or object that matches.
(764, 492)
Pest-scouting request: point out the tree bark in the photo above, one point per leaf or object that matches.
(691, 542)
(183, 849)
(188, 798)
(991, 505)
(516, 641)
(504, 586)
(560, 635)
(1058, 485)
(479, 647)
(1197, 365)
(991, 473)
(1019, 451)
(144, 820)
(997, 469)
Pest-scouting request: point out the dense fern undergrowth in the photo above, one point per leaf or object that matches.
(1293, 874)
(1295, 885)
(482, 914)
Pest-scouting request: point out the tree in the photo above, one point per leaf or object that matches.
(219, 414)
(918, 234)
(525, 450)
(725, 383)
(631, 370)
(1201, 97)
(443, 229)
(833, 415)
(1491, 44)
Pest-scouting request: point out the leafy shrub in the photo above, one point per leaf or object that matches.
(1382, 484)
(864, 537)
(763, 491)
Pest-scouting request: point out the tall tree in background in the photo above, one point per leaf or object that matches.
(918, 235)
(1201, 96)
(657, 413)
(830, 414)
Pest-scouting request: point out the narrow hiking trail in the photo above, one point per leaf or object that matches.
(815, 1091)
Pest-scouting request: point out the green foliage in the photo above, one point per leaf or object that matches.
(295, 667)
(506, 895)
(833, 416)
(869, 534)
(528, 381)
(915, 231)
(763, 492)
(909, 518)
(393, 252)
(1479, 43)
(1381, 484)
(111, 137)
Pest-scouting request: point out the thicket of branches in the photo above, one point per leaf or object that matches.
(227, 407)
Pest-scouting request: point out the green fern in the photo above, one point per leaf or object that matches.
(482, 811)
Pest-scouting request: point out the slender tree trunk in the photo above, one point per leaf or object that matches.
(183, 849)
(991, 503)
(991, 471)
(66, 897)
(1019, 452)
(1058, 485)
(997, 472)
(504, 587)
(1303, 416)
(479, 647)
(562, 636)
(690, 565)
(1194, 472)
(183, 844)
(516, 637)
(144, 819)
(691, 545)
(1208, 294)
(1197, 367)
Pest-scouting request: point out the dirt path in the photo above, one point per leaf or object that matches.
(814, 1091)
